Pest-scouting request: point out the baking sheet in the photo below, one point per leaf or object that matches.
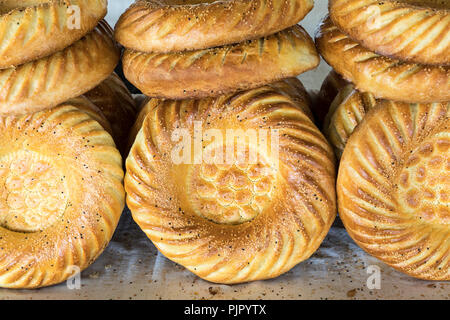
(131, 267)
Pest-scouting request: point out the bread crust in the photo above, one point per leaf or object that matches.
(393, 187)
(66, 199)
(297, 203)
(347, 111)
(216, 71)
(417, 31)
(50, 81)
(294, 89)
(85, 105)
(116, 103)
(172, 25)
(291, 87)
(384, 77)
(330, 88)
(25, 27)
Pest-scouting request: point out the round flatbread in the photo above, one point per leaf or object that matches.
(50, 81)
(384, 77)
(417, 31)
(177, 25)
(393, 187)
(232, 217)
(216, 71)
(61, 195)
(33, 29)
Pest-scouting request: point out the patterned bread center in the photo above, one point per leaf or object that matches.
(232, 193)
(424, 183)
(33, 193)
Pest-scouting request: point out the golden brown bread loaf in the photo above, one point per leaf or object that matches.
(117, 105)
(33, 29)
(347, 111)
(240, 220)
(393, 187)
(384, 77)
(66, 74)
(215, 71)
(410, 30)
(177, 25)
(61, 195)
